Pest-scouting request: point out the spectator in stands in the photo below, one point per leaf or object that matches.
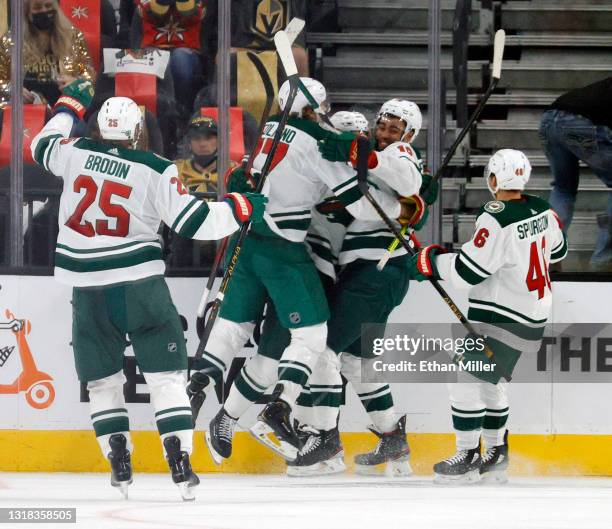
(174, 25)
(55, 54)
(578, 127)
(198, 172)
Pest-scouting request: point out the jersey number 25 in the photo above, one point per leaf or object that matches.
(112, 211)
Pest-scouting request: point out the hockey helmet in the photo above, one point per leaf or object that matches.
(407, 111)
(120, 118)
(346, 121)
(311, 94)
(511, 169)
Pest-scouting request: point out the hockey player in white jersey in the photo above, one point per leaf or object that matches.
(274, 263)
(362, 294)
(113, 201)
(505, 267)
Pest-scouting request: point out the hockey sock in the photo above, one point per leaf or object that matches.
(108, 411)
(226, 339)
(468, 410)
(376, 398)
(495, 397)
(254, 378)
(494, 426)
(325, 386)
(379, 405)
(171, 404)
(299, 359)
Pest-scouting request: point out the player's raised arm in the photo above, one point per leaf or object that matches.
(49, 147)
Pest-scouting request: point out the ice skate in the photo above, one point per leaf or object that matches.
(180, 467)
(121, 463)
(196, 393)
(495, 463)
(462, 468)
(321, 454)
(275, 419)
(219, 436)
(392, 450)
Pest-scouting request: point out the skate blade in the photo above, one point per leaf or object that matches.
(494, 477)
(122, 487)
(186, 491)
(471, 477)
(324, 468)
(216, 457)
(260, 430)
(392, 469)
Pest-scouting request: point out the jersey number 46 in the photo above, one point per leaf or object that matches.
(537, 274)
(112, 211)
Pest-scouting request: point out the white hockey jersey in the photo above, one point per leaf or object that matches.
(505, 266)
(111, 206)
(300, 178)
(399, 173)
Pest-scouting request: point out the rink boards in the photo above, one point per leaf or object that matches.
(557, 429)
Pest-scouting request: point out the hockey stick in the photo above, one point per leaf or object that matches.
(292, 30)
(283, 47)
(498, 55)
(363, 148)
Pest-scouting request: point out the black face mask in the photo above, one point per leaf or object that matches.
(204, 160)
(44, 20)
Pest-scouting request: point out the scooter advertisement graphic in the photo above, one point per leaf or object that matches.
(37, 386)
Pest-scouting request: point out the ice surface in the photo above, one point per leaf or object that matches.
(335, 502)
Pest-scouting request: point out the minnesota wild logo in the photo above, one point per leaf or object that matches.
(494, 206)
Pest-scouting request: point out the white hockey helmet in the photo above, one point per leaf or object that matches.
(316, 98)
(407, 111)
(120, 118)
(347, 121)
(511, 169)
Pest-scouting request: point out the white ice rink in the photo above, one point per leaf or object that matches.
(340, 502)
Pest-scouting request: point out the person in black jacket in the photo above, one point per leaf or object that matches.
(578, 127)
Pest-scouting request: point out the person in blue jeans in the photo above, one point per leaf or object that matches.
(578, 126)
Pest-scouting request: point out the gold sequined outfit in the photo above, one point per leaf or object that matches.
(46, 68)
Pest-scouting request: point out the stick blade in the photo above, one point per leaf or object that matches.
(283, 48)
(294, 28)
(498, 52)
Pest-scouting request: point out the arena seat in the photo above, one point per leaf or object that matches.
(33, 122)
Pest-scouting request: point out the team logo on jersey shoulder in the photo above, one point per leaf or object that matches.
(494, 206)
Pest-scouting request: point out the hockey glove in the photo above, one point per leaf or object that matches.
(343, 148)
(237, 180)
(430, 188)
(422, 266)
(414, 212)
(75, 98)
(247, 206)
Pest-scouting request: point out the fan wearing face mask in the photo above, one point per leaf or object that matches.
(54, 53)
(198, 171)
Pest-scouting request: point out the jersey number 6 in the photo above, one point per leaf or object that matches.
(112, 211)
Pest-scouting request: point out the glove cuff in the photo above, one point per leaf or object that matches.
(70, 104)
(426, 262)
(241, 206)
